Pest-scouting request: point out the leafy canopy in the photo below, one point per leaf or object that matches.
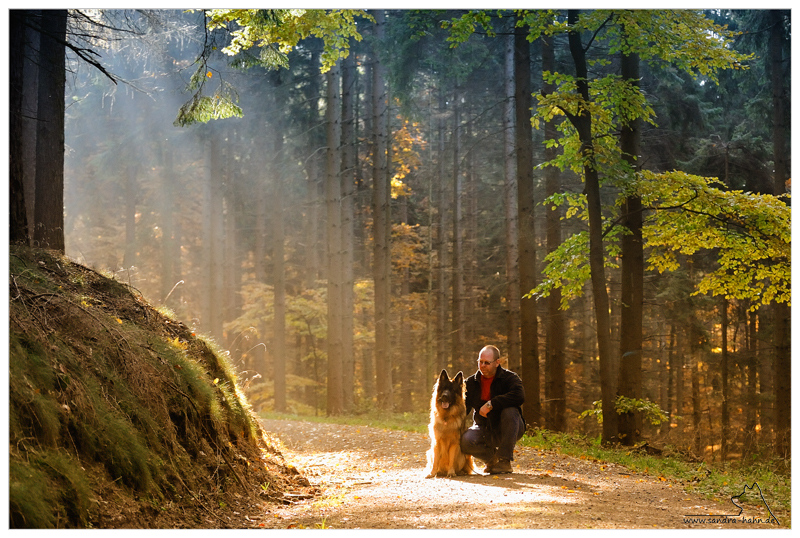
(750, 235)
(275, 32)
(280, 30)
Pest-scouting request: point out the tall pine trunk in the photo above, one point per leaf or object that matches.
(381, 223)
(782, 312)
(513, 294)
(18, 218)
(441, 242)
(48, 226)
(131, 190)
(471, 323)
(348, 180)
(457, 262)
(529, 324)
(213, 224)
(406, 339)
(725, 403)
(632, 274)
(170, 243)
(555, 374)
(333, 201)
(280, 352)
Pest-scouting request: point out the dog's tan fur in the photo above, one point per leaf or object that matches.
(445, 428)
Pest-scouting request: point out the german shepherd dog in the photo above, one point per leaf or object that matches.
(448, 422)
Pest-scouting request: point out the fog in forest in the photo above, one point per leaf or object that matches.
(227, 223)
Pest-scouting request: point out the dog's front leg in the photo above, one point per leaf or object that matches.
(453, 453)
(433, 462)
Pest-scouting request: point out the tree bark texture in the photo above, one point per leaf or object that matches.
(457, 261)
(333, 204)
(632, 274)
(381, 224)
(280, 352)
(555, 374)
(18, 218)
(529, 323)
(348, 180)
(513, 294)
(48, 231)
(782, 333)
(583, 124)
(441, 242)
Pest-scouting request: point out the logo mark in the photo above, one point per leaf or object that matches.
(734, 500)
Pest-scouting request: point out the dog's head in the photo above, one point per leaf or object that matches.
(449, 391)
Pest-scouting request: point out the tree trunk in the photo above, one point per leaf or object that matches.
(441, 244)
(751, 399)
(632, 269)
(381, 225)
(510, 188)
(406, 338)
(18, 218)
(368, 349)
(697, 412)
(168, 211)
(280, 352)
(313, 211)
(583, 125)
(470, 246)
(679, 350)
(782, 332)
(766, 382)
(348, 179)
(672, 367)
(456, 312)
(131, 189)
(48, 229)
(30, 106)
(555, 374)
(529, 324)
(726, 416)
(333, 201)
(212, 237)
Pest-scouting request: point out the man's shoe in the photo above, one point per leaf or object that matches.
(503, 466)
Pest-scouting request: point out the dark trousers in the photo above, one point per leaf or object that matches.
(486, 442)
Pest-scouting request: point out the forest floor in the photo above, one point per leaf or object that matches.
(372, 478)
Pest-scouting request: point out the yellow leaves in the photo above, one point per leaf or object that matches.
(405, 156)
(178, 343)
(280, 30)
(750, 233)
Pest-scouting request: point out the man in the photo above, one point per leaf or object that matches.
(496, 395)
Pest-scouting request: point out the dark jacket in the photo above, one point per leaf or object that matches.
(506, 391)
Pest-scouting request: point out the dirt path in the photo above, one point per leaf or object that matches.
(374, 479)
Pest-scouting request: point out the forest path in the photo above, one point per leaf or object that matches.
(373, 478)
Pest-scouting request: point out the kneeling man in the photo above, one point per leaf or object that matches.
(496, 396)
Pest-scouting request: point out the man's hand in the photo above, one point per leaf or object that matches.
(484, 410)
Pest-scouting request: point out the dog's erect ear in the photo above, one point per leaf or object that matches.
(459, 378)
(443, 376)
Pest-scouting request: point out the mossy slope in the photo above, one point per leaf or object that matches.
(121, 417)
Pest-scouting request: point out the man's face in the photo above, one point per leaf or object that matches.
(487, 364)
